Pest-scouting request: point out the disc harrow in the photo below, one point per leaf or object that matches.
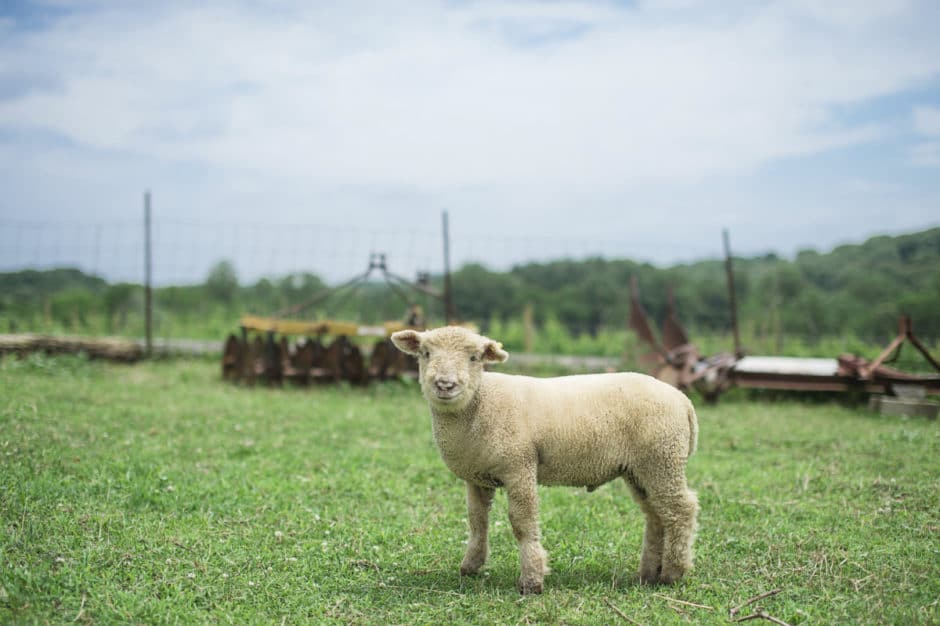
(271, 350)
(324, 352)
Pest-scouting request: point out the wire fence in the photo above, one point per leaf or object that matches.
(183, 250)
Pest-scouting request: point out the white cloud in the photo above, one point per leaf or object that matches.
(439, 95)
(851, 13)
(650, 122)
(927, 123)
(926, 154)
(927, 120)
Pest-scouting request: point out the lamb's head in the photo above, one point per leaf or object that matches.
(450, 363)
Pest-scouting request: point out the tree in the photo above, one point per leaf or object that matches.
(118, 302)
(222, 282)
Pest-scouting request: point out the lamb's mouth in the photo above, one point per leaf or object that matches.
(448, 395)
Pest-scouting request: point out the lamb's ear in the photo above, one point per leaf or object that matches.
(408, 341)
(493, 352)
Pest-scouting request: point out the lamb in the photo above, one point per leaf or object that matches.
(514, 432)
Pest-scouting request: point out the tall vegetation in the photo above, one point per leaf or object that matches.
(854, 292)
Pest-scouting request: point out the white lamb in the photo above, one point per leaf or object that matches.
(495, 430)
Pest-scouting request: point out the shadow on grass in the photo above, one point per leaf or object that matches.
(500, 579)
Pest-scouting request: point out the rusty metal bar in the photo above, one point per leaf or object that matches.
(321, 296)
(920, 347)
(792, 382)
(424, 289)
(867, 370)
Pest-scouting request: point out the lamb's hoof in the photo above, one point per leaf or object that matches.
(649, 575)
(469, 570)
(530, 587)
(670, 576)
(471, 565)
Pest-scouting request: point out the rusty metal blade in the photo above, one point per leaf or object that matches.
(639, 321)
(651, 359)
(674, 334)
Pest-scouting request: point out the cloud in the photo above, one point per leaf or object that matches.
(637, 129)
(926, 123)
(15, 84)
(849, 13)
(477, 93)
(926, 154)
(927, 120)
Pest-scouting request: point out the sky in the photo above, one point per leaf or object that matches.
(299, 136)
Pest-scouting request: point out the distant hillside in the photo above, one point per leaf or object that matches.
(855, 290)
(30, 284)
(858, 289)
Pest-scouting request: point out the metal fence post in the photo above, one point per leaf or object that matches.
(148, 271)
(450, 314)
(732, 295)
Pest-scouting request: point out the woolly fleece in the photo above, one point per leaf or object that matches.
(514, 432)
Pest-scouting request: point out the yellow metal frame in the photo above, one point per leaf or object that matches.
(323, 327)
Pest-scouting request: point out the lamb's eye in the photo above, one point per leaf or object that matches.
(473, 357)
(426, 354)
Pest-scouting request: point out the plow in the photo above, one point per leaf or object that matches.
(675, 359)
(323, 351)
(278, 348)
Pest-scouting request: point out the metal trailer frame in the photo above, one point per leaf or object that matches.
(677, 360)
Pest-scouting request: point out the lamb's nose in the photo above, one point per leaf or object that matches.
(445, 384)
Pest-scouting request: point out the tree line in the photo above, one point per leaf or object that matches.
(857, 289)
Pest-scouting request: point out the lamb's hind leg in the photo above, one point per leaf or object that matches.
(479, 500)
(677, 509)
(651, 559)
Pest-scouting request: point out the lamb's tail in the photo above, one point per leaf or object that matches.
(693, 429)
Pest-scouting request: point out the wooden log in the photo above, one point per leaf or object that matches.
(108, 348)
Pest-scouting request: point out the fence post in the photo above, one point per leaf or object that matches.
(528, 324)
(732, 295)
(148, 275)
(450, 314)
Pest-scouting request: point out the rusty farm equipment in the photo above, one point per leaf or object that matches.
(325, 350)
(676, 360)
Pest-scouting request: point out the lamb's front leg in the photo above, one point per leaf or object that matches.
(479, 500)
(524, 516)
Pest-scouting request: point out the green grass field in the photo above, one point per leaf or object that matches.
(156, 494)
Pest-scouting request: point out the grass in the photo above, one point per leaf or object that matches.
(156, 494)
(551, 337)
